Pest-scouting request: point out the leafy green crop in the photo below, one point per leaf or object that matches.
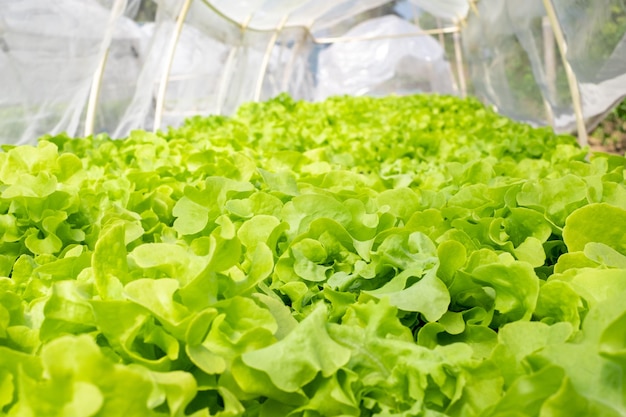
(414, 256)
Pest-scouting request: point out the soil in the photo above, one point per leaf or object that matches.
(609, 136)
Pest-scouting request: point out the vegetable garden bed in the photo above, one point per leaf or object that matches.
(415, 256)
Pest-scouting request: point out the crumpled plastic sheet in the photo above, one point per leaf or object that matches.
(389, 64)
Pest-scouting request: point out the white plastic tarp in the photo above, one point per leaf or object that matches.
(268, 14)
(515, 64)
(49, 54)
(218, 65)
(227, 52)
(390, 63)
(454, 10)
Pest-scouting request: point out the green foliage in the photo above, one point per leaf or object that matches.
(405, 256)
(611, 132)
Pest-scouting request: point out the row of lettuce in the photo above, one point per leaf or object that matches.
(400, 256)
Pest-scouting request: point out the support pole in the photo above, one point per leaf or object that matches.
(266, 58)
(571, 77)
(96, 82)
(94, 95)
(171, 51)
(474, 7)
(460, 68)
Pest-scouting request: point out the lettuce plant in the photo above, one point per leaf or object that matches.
(399, 256)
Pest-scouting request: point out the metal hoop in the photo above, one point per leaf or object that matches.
(583, 139)
(266, 58)
(171, 51)
(96, 82)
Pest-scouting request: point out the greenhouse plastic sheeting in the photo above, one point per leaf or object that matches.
(228, 52)
(386, 65)
(268, 14)
(454, 10)
(596, 33)
(49, 52)
(216, 67)
(515, 64)
(219, 60)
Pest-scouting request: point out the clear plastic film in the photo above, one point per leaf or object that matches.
(140, 109)
(386, 63)
(596, 49)
(196, 58)
(85, 66)
(49, 54)
(122, 65)
(516, 64)
(454, 10)
(217, 65)
(244, 50)
(268, 15)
